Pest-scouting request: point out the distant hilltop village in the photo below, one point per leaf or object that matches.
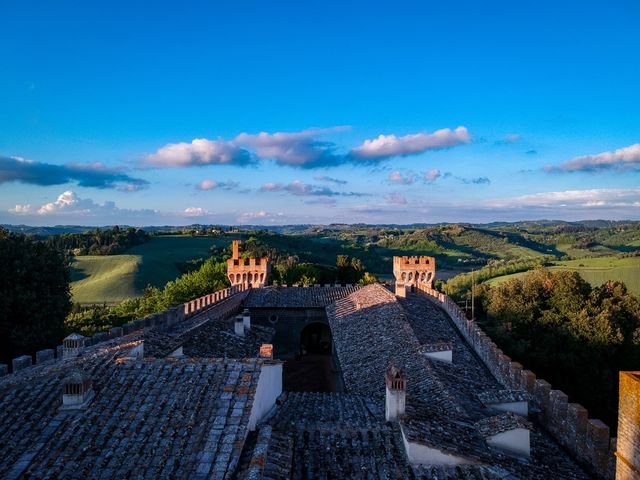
(329, 381)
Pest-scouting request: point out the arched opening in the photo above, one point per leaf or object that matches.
(312, 370)
(315, 339)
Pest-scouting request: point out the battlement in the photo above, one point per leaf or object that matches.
(247, 271)
(413, 270)
(226, 302)
(413, 260)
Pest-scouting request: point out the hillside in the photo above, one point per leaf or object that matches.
(457, 248)
(98, 279)
(596, 271)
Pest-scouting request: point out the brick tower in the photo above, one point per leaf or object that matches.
(249, 271)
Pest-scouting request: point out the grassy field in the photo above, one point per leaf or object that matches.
(596, 271)
(98, 279)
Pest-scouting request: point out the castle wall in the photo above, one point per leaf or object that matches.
(220, 304)
(587, 439)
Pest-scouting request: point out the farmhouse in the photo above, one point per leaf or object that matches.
(333, 381)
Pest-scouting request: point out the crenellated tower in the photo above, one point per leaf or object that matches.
(249, 271)
(414, 271)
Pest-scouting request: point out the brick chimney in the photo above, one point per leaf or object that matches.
(77, 390)
(235, 245)
(401, 290)
(266, 351)
(396, 390)
(628, 445)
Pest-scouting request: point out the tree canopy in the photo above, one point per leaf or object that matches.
(575, 336)
(34, 295)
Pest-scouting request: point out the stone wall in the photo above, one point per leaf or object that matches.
(587, 439)
(184, 311)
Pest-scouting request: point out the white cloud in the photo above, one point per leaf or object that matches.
(207, 185)
(512, 137)
(25, 209)
(212, 185)
(620, 159)
(598, 197)
(199, 152)
(386, 146)
(196, 212)
(432, 175)
(397, 178)
(70, 205)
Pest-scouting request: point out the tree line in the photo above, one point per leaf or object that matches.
(108, 241)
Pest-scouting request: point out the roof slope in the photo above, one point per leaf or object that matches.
(296, 297)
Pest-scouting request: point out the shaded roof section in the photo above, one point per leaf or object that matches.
(296, 297)
(149, 419)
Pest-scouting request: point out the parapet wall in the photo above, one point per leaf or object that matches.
(587, 439)
(225, 302)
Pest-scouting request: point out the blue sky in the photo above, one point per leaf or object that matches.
(282, 112)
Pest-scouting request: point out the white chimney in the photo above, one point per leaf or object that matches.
(77, 391)
(73, 345)
(401, 290)
(239, 326)
(246, 319)
(396, 383)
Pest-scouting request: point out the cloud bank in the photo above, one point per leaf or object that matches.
(15, 169)
(213, 185)
(303, 149)
(199, 152)
(386, 146)
(302, 189)
(69, 203)
(621, 159)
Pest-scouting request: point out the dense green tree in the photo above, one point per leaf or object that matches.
(34, 295)
(575, 336)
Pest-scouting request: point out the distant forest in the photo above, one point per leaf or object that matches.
(110, 241)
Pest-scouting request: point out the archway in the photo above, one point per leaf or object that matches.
(315, 339)
(312, 370)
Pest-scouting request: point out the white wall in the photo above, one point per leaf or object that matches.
(514, 441)
(443, 356)
(418, 454)
(519, 408)
(395, 401)
(268, 390)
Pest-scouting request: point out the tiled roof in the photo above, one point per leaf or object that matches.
(148, 419)
(373, 329)
(296, 297)
(501, 423)
(502, 396)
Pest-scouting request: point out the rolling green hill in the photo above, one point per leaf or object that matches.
(596, 271)
(98, 279)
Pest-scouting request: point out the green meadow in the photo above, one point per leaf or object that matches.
(110, 279)
(596, 271)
